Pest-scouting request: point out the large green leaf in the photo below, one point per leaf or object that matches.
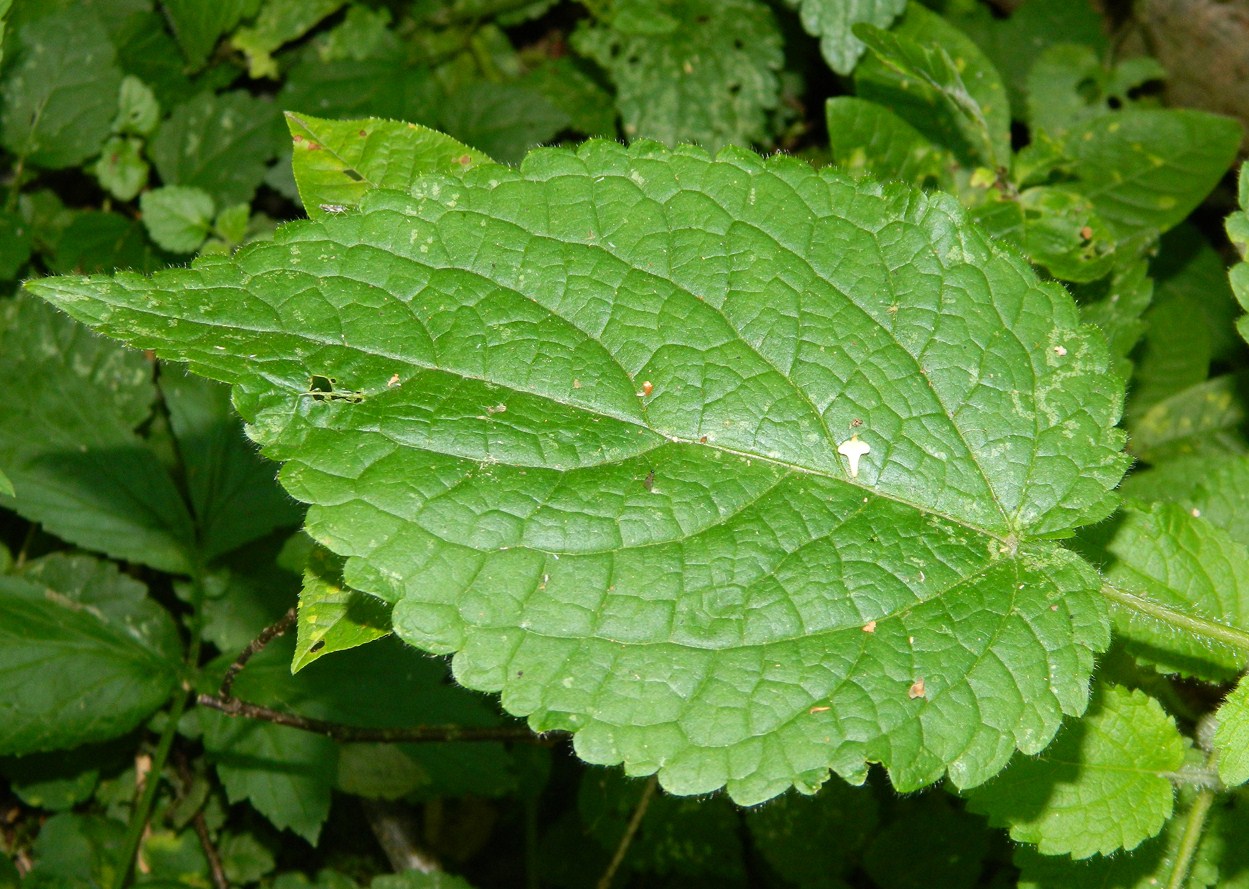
(692, 70)
(84, 655)
(586, 423)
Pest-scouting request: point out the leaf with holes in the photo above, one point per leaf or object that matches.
(740, 470)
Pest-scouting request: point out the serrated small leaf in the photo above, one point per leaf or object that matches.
(869, 137)
(279, 22)
(121, 169)
(1177, 558)
(337, 161)
(178, 218)
(833, 22)
(536, 472)
(565, 83)
(333, 617)
(1150, 168)
(1231, 738)
(934, 77)
(1103, 785)
(84, 655)
(60, 91)
(76, 851)
(221, 144)
(710, 78)
(138, 112)
(198, 26)
(68, 445)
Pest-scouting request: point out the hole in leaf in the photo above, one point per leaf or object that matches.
(317, 646)
(352, 175)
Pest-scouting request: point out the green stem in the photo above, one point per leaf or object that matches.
(1194, 827)
(143, 809)
(1206, 629)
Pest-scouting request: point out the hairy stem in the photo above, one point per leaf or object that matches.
(1194, 827)
(1206, 629)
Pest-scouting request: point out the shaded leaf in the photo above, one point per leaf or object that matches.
(337, 161)
(198, 26)
(928, 843)
(333, 617)
(545, 487)
(1231, 738)
(84, 655)
(813, 840)
(177, 217)
(1238, 234)
(1214, 487)
(1204, 419)
(502, 120)
(1103, 785)
(704, 71)
(869, 137)
(1069, 85)
(68, 445)
(279, 22)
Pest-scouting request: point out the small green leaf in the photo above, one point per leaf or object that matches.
(95, 241)
(337, 161)
(198, 25)
(245, 859)
(1069, 85)
(833, 22)
(1150, 168)
(413, 879)
(1238, 234)
(84, 655)
(710, 78)
(1177, 558)
(231, 224)
(177, 217)
(658, 367)
(932, 76)
(219, 143)
(1103, 785)
(60, 90)
(279, 22)
(77, 851)
(865, 136)
(333, 617)
(121, 169)
(68, 445)
(1231, 738)
(589, 107)
(138, 112)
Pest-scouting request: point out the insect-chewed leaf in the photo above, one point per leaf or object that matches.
(581, 422)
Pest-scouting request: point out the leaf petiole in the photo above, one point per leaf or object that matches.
(1207, 629)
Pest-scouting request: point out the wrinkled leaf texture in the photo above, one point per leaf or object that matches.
(579, 421)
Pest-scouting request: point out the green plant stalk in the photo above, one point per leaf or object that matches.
(1194, 827)
(1207, 629)
(143, 810)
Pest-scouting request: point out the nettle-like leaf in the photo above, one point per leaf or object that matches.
(585, 424)
(1231, 738)
(709, 74)
(1102, 786)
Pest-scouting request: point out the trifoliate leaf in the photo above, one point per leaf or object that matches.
(709, 77)
(1149, 168)
(935, 78)
(177, 217)
(85, 655)
(584, 423)
(1231, 738)
(67, 440)
(59, 92)
(869, 137)
(1176, 558)
(1102, 786)
(833, 20)
(337, 161)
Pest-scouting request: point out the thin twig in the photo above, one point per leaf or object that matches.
(635, 821)
(267, 635)
(407, 735)
(198, 822)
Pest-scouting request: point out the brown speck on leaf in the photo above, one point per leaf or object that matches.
(1087, 233)
(702, 439)
(463, 160)
(819, 709)
(393, 381)
(917, 689)
(149, 354)
(856, 423)
(1053, 608)
(649, 482)
(313, 146)
(297, 138)
(647, 388)
(363, 133)
(576, 384)
(869, 627)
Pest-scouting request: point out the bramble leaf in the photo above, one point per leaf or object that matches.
(833, 20)
(705, 71)
(1102, 786)
(84, 655)
(603, 459)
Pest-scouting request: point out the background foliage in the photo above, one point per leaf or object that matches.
(144, 543)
